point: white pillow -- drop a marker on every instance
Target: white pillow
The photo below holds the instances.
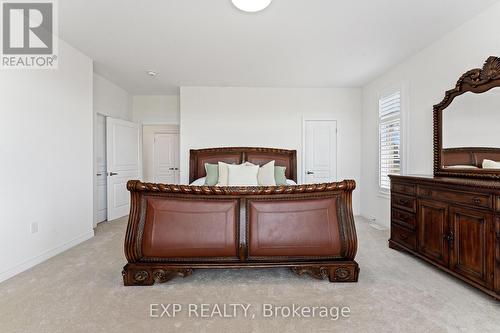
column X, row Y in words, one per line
column 223, row 173
column 198, row 182
column 489, row 164
column 242, row 175
column 265, row 175
column 201, row 182
column 461, row 167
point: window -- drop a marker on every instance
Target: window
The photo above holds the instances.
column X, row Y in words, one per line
column 389, row 138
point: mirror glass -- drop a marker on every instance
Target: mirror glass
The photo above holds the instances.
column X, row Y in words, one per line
column 470, row 123
column 473, row 120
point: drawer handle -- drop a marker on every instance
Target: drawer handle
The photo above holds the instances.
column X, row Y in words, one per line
column 404, row 201
column 403, row 236
column 450, row 237
column 476, row 201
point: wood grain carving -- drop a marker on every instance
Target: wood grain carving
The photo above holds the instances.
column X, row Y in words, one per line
column 138, row 186
column 339, row 272
column 162, row 276
column 147, row 275
column 478, row 80
column 317, row 272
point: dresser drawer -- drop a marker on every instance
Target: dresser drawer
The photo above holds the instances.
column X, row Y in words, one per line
column 406, row 219
column 409, row 189
column 404, row 202
column 403, row 236
column 471, row 199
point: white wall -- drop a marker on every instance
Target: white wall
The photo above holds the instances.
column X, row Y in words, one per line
column 111, row 100
column 156, row 109
column 46, row 149
column 429, row 74
column 269, row 117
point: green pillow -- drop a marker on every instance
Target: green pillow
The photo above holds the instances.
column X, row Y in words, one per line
column 212, row 174
column 279, row 175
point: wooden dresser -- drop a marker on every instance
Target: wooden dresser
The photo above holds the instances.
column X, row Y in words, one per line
column 452, row 219
column 453, row 223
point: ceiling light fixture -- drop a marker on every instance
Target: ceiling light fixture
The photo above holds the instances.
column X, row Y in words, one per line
column 251, row 6
column 152, row 73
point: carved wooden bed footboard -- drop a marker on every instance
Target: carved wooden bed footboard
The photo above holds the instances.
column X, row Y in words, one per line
column 174, row 229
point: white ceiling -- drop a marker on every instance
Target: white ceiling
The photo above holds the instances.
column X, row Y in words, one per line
column 293, row 43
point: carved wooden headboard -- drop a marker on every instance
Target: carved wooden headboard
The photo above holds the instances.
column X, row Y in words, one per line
column 238, row 155
column 473, row 156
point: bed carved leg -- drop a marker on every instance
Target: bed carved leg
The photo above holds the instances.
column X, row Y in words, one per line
column 317, row 272
column 341, row 272
column 165, row 275
column 137, row 276
column 344, row 273
column 145, row 276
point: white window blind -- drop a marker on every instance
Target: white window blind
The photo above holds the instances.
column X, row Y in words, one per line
column 389, row 138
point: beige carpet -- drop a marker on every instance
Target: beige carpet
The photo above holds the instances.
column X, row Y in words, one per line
column 81, row 291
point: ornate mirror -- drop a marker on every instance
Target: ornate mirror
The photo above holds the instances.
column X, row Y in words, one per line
column 467, row 125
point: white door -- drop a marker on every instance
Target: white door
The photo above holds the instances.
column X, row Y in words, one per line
column 100, row 148
column 166, row 158
column 320, row 155
column 123, row 158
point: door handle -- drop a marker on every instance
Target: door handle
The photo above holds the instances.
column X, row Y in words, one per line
column 113, row 173
column 310, row 173
column 98, row 174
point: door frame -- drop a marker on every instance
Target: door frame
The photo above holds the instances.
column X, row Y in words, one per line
column 96, row 116
column 305, row 119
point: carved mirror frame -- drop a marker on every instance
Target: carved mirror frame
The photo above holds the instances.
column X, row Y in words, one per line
column 478, row 80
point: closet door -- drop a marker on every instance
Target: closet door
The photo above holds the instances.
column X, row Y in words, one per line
column 123, row 161
column 472, row 245
column 320, row 153
column 166, row 158
column 433, row 230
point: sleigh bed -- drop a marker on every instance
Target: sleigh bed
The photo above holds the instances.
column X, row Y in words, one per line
column 175, row 229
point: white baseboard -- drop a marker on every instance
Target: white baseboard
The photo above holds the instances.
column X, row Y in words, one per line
column 10, row 272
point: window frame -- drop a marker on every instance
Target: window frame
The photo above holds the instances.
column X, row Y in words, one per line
column 403, row 133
